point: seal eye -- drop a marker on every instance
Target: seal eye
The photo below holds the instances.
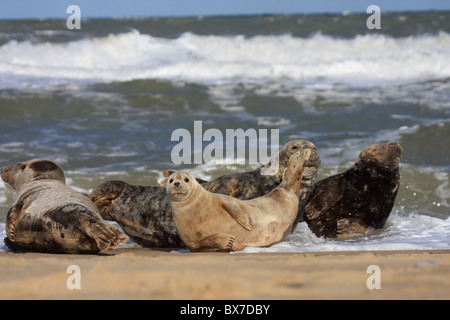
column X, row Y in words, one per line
column 171, row 180
column 294, row 148
column 186, row 180
column 23, row 167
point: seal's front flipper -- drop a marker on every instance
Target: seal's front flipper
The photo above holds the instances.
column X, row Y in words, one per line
column 216, row 242
column 236, row 212
column 350, row 228
column 293, row 174
column 11, row 220
column 324, row 195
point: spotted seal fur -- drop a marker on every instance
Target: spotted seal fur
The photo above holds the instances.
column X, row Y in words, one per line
column 48, row 216
column 345, row 205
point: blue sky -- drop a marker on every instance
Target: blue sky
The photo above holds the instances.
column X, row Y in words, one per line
column 16, row 9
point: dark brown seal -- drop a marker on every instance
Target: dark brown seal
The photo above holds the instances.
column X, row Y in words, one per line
column 144, row 212
column 343, row 206
column 48, row 216
column 208, row 221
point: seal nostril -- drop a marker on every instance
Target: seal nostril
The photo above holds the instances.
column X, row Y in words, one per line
column 177, row 184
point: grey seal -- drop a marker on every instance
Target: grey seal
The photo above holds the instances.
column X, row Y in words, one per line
column 208, row 221
column 49, row 216
column 345, row 205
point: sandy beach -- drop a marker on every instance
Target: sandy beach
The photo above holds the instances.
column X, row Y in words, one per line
column 139, row 273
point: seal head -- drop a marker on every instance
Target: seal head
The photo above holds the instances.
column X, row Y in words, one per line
column 19, row 174
column 180, row 186
column 381, row 156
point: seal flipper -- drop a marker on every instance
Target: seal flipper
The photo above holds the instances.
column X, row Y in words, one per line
column 104, row 195
column 293, row 174
column 235, row 211
column 105, row 236
column 321, row 201
column 11, row 221
column 350, row 228
column 216, row 242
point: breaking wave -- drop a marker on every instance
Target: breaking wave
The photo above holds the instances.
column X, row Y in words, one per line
column 362, row 60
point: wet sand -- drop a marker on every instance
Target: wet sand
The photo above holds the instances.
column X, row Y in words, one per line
column 137, row 273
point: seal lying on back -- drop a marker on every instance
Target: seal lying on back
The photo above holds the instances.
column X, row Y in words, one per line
column 343, row 206
column 208, row 221
column 50, row 217
column 144, row 212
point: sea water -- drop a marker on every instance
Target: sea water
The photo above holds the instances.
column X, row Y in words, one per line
column 103, row 102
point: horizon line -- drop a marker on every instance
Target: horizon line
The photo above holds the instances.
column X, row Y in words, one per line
column 218, row 15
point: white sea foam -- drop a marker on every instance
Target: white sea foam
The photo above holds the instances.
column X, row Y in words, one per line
column 4, row 192
column 362, row 60
column 3, row 248
column 414, row 232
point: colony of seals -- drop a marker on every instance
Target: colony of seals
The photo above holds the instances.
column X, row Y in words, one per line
column 208, row 221
column 345, row 205
column 144, row 212
column 48, row 216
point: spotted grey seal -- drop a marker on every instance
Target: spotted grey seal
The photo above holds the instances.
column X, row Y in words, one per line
column 48, row 216
column 343, row 206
